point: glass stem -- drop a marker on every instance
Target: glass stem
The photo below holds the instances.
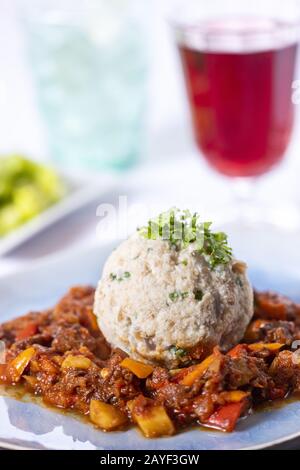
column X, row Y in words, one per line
column 244, row 199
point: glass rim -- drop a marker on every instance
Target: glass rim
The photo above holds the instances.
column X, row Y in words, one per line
column 265, row 33
column 179, row 18
column 183, row 26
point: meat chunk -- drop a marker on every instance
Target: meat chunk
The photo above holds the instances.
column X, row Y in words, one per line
column 271, row 331
column 273, row 306
column 73, row 338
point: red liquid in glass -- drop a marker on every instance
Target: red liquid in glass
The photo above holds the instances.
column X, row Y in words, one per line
column 241, row 106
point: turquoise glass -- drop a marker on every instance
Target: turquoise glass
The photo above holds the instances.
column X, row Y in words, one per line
column 90, row 70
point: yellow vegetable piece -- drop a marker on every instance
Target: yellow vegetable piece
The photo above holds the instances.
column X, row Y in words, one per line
column 105, row 416
column 26, row 189
column 92, row 320
column 19, row 364
column 76, row 362
column 139, row 369
column 269, row 346
column 154, row 422
column 194, row 372
column 234, row 396
column 104, row 373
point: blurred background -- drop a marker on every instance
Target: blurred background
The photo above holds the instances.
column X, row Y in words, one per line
column 96, row 89
column 21, row 120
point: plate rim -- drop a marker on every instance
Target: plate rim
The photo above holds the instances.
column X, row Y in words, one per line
column 6, row 446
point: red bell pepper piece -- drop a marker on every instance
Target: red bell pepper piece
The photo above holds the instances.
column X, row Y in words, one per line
column 28, row 331
column 225, row 418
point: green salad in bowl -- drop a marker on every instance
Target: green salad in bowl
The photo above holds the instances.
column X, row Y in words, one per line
column 27, row 188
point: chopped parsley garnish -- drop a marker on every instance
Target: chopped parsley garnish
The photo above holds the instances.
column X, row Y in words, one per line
column 174, row 296
column 198, row 294
column 178, row 352
column 114, row 276
column 181, row 228
column 177, row 295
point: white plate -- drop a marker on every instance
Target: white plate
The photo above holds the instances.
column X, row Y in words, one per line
column 82, row 190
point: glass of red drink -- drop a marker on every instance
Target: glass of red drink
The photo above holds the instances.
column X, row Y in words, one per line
column 239, row 61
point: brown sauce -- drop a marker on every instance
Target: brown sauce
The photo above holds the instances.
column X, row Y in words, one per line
column 276, row 404
column 20, row 393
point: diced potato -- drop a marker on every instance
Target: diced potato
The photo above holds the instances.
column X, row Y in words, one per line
column 76, row 362
column 194, row 372
column 154, row 422
column 19, row 364
column 273, row 347
column 105, row 416
column 139, row 369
